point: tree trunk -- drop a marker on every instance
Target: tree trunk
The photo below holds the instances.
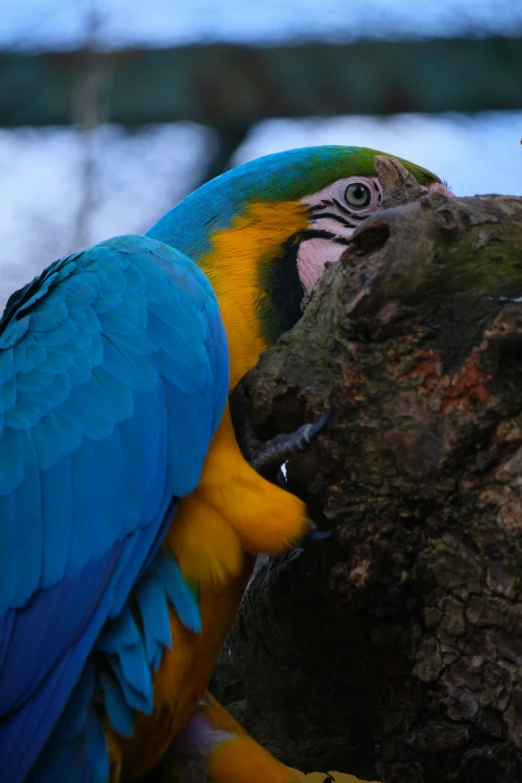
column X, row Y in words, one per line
column 392, row 650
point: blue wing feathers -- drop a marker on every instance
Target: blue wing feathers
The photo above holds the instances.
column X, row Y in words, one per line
column 154, row 612
column 129, row 653
column 36, row 695
column 77, row 750
column 121, row 715
column 182, row 596
column 33, row 633
column 29, row 535
column 8, row 552
column 113, row 378
column 57, row 508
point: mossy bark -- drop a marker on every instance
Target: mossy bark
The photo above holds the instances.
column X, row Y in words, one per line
column 393, row 650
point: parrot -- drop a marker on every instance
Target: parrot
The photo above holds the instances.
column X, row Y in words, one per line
column 130, row 519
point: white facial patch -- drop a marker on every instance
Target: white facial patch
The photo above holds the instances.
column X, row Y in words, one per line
column 337, row 210
column 312, row 256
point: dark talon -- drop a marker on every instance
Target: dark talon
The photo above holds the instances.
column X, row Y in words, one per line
column 315, row 534
column 315, row 429
column 267, row 457
column 273, row 453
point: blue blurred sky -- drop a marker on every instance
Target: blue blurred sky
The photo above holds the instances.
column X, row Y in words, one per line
column 61, row 23
column 138, row 176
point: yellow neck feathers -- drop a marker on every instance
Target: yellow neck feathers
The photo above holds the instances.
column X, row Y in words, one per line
column 235, row 266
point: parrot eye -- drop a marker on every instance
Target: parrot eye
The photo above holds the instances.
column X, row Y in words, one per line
column 357, row 195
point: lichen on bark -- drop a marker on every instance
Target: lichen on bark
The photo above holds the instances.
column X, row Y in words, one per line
column 393, row 650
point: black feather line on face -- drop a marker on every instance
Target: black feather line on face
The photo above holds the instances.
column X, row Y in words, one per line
column 333, row 216
column 344, row 209
column 355, row 217
column 320, row 233
column 318, row 207
column 281, row 282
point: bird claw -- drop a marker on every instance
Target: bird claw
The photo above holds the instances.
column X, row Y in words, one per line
column 309, row 431
column 268, row 457
column 316, row 534
column 273, row 453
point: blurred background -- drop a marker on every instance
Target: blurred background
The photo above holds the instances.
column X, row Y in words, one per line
column 112, row 111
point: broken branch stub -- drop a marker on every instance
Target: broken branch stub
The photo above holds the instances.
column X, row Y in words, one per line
column 393, row 650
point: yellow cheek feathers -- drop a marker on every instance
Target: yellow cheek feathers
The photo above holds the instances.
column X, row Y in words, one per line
column 234, row 266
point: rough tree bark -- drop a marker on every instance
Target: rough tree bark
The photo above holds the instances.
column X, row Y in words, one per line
column 393, row 650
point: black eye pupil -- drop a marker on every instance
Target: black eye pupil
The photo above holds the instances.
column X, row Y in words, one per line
column 357, row 195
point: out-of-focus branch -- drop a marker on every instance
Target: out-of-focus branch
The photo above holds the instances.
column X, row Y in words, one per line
column 219, row 84
column 90, row 109
column 227, row 139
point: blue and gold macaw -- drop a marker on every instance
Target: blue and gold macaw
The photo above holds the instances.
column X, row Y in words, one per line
column 129, row 519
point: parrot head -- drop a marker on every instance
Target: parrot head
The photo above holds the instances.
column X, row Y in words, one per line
column 264, row 231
